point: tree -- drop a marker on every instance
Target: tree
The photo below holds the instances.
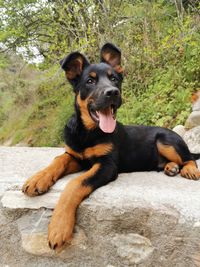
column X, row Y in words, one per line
column 54, row 27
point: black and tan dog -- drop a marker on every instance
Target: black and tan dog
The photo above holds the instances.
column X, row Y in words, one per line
column 95, row 142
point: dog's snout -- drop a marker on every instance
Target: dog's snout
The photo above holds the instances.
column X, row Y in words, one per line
column 111, row 92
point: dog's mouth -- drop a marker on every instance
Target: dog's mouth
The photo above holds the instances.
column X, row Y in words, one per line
column 106, row 118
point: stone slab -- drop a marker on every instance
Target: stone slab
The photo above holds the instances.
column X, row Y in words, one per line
column 130, row 189
column 141, row 219
column 192, row 138
column 18, row 163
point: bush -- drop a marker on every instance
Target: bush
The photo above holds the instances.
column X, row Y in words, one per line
column 161, row 55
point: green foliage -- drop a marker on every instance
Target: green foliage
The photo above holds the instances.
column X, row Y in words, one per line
column 160, row 43
column 39, row 121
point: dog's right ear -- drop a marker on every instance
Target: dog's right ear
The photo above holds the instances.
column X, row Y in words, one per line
column 73, row 66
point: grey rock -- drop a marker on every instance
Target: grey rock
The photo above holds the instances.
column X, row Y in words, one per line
column 17, row 200
column 132, row 248
column 180, row 129
column 142, row 219
column 193, row 120
column 192, row 138
column 33, row 229
column 17, row 163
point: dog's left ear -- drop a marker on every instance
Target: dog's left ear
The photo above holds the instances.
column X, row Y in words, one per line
column 111, row 55
column 73, row 65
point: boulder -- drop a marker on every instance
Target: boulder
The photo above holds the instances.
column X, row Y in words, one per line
column 192, row 138
column 193, row 120
column 179, row 129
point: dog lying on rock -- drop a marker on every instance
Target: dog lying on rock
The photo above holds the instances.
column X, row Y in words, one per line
column 103, row 147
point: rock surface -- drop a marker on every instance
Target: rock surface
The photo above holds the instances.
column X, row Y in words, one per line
column 193, row 120
column 179, row 129
column 141, row 219
column 192, row 138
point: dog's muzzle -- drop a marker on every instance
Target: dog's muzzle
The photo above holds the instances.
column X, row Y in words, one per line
column 104, row 107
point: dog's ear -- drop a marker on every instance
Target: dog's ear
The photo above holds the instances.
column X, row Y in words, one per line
column 73, row 65
column 111, row 55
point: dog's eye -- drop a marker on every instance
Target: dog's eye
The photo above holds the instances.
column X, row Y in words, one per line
column 113, row 79
column 90, row 81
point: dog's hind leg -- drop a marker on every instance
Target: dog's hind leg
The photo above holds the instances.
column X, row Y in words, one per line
column 190, row 170
column 179, row 157
column 171, row 169
column 40, row 182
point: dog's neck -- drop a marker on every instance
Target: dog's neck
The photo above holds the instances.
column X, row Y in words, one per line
column 78, row 137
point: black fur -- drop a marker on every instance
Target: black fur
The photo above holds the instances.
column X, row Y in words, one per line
column 134, row 147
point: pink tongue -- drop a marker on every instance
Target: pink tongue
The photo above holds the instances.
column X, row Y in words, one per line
column 106, row 122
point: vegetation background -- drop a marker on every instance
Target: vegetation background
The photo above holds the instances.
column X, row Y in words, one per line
column 160, row 42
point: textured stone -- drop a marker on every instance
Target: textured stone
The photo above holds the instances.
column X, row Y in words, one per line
column 192, row 138
column 18, row 163
column 33, row 229
column 132, row 248
column 193, row 120
column 142, row 219
column 127, row 192
column 17, row 200
column 179, row 129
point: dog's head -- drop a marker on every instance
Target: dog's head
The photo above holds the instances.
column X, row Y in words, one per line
column 97, row 86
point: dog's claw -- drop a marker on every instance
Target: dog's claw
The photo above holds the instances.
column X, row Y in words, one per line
column 38, row 184
column 52, row 246
column 36, row 191
column 55, row 246
column 39, row 192
column 25, row 189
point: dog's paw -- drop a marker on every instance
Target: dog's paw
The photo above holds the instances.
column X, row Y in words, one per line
column 38, row 184
column 171, row 169
column 190, row 172
column 60, row 230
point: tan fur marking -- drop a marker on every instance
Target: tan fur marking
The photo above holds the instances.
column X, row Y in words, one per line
column 169, row 153
column 119, row 69
column 106, row 56
column 87, row 120
column 95, row 151
column 43, row 180
column 98, row 150
column 111, row 59
column 93, row 74
column 63, row 219
column 109, row 72
column 191, row 163
column 75, row 68
column 73, row 153
column 190, row 170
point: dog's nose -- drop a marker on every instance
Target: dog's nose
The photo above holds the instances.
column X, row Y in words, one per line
column 110, row 92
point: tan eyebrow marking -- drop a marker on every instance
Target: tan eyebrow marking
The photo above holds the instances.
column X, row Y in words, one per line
column 93, row 74
column 109, row 72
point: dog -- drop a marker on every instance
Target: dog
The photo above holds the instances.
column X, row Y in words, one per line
column 103, row 147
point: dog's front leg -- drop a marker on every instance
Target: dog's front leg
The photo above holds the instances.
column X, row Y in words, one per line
column 63, row 218
column 44, row 179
